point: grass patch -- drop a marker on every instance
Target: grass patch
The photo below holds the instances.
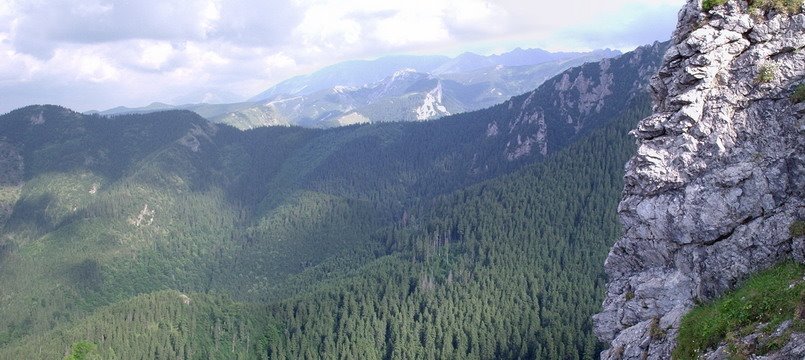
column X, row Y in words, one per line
column 708, row 5
column 783, row 6
column 799, row 94
column 764, row 297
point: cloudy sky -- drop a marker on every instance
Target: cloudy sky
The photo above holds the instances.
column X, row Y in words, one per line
column 97, row 54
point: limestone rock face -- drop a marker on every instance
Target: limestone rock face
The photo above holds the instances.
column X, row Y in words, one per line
column 718, row 176
column 576, row 101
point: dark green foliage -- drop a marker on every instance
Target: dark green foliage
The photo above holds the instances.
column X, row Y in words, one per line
column 797, row 228
column 766, row 297
column 165, row 324
column 799, row 94
column 87, row 275
column 496, row 271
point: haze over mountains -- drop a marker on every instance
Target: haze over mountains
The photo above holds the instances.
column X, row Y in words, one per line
column 395, row 88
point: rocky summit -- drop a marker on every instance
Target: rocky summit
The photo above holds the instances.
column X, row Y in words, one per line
column 717, row 180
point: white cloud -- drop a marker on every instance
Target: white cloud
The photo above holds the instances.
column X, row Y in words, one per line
column 209, row 16
column 89, row 67
column 279, row 61
column 103, row 53
column 328, row 26
column 155, row 54
column 429, row 17
column 478, row 16
column 15, row 67
column 91, row 8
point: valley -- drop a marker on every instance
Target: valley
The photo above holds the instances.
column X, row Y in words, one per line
column 117, row 215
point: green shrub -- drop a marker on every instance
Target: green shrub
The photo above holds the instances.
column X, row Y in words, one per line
column 83, row 350
column 764, row 297
column 797, row 228
column 783, row 6
column 655, row 330
column 629, row 295
column 799, row 94
column 766, row 74
column 708, row 5
column 773, row 344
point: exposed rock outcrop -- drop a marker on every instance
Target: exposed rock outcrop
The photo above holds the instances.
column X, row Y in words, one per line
column 578, row 100
column 718, row 176
column 191, row 139
column 12, row 169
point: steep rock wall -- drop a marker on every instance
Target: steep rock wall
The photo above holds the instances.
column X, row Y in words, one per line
column 718, row 176
column 575, row 101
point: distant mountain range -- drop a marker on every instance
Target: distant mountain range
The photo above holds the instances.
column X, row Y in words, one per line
column 395, row 88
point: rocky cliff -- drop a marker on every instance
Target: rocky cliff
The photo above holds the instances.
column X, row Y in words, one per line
column 718, row 177
column 575, row 102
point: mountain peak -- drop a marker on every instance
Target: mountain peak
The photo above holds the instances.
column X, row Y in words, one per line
column 403, row 72
column 340, row 89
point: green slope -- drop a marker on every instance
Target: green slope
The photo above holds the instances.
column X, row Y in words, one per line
column 162, row 325
column 508, row 268
column 110, row 208
column 372, row 241
column 760, row 304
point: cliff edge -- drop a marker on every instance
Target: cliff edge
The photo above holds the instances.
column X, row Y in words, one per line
column 717, row 180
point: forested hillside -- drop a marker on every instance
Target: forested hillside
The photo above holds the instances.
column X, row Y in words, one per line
column 163, row 236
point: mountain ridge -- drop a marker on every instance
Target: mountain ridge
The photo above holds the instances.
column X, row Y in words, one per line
column 336, row 102
column 348, row 71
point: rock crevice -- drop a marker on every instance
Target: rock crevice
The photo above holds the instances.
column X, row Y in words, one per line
column 717, row 178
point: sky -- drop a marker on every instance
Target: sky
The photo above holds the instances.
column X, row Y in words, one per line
column 98, row 54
